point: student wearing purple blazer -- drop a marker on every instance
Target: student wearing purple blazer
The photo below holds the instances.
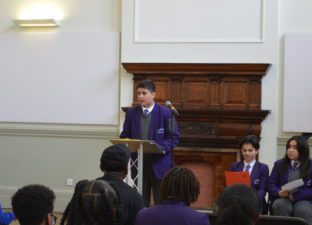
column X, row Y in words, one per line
column 179, row 189
column 259, row 172
column 151, row 121
column 294, row 165
column 6, row 217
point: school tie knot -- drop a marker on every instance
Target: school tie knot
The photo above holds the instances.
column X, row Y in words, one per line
column 295, row 164
column 247, row 168
column 145, row 112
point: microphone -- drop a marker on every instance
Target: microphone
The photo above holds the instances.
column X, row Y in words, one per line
column 170, row 106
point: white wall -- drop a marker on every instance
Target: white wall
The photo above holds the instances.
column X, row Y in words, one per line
column 295, row 16
column 49, row 153
column 74, row 15
column 216, row 47
column 61, row 77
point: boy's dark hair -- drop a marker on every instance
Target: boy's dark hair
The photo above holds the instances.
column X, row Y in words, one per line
column 250, row 139
column 115, row 158
column 147, row 84
column 180, row 184
column 93, row 202
column 32, row 204
column 238, row 204
column 304, row 157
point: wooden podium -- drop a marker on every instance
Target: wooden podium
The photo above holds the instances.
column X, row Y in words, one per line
column 140, row 147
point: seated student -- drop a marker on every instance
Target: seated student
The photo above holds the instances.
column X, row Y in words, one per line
column 259, row 172
column 6, row 217
column 114, row 164
column 178, row 190
column 93, row 202
column 238, row 205
column 294, row 165
column 33, row 205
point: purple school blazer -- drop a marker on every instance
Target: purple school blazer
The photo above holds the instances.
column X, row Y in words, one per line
column 276, row 181
column 159, row 132
column 171, row 214
column 259, row 176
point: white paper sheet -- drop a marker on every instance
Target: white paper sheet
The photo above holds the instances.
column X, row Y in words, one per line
column 293, row 185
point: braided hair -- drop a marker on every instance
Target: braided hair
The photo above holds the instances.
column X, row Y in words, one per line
column 180, row 184
column 94, row 202
column 238, row 205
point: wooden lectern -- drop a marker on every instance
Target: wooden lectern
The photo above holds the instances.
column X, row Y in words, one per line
column 139, row 147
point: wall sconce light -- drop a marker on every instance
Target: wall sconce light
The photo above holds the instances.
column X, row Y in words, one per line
column 36, row 23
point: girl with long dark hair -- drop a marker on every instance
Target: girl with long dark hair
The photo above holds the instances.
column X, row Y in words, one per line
column 294, row 165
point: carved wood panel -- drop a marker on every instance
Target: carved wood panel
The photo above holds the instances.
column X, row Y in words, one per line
column 235, row 94
column 218, row 105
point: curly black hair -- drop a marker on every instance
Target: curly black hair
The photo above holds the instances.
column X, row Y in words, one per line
column 238, row 205
column 93, row 202
column 32, row 204
column 180, row 184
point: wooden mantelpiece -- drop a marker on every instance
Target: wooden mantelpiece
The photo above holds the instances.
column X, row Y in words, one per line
column 197, row 68
column 218, row 104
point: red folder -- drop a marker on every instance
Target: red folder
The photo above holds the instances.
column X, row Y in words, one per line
column 237, row 178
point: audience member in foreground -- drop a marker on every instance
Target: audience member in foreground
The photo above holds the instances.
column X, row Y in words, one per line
column 93, row 202
column 179, row 189
column 6, row 217
column 259, row 172
column 294, row 165
column 238, row 205
column 33, row 205
column 114, row 164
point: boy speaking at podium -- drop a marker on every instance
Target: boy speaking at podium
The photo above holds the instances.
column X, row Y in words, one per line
column 151, row 121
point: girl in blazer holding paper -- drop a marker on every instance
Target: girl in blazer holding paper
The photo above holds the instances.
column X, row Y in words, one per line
column 296, row 164
column 259, row 172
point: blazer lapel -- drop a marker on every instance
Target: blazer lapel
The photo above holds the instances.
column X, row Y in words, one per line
column 254, row 172
column 137, row 122
column 154, row 121
column 241, row 166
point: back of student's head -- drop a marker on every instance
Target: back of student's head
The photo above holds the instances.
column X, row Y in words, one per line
column 238, row 205
column 93, row 202
column 115, row 158
column 33, row 204
column 180, row 185
column 147, row 84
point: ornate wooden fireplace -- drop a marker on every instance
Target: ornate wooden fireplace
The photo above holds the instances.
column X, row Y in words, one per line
column 218, row 105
